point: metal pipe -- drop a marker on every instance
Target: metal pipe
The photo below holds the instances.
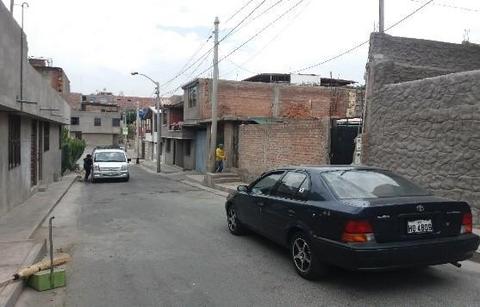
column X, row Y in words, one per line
column 50, row 237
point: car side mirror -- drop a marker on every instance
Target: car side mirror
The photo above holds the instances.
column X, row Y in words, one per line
column 242, row 188
column 129, row 160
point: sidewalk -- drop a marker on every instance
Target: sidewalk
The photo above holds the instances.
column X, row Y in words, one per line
column 16, row 230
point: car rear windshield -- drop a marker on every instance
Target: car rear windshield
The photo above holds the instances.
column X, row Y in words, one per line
column 109, row 157
column 355, row 183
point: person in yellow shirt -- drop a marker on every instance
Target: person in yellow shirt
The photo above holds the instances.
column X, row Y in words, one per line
column 219, row 158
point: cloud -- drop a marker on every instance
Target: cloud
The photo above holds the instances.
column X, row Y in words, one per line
column 99, row 42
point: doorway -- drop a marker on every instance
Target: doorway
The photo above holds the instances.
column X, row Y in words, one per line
column 342, row 140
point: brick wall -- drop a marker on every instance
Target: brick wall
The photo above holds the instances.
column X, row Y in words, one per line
column 240, row 99
column 263, row 147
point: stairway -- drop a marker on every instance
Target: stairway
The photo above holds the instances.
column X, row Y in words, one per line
column 223, row 181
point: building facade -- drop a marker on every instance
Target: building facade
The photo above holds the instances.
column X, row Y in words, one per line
column 32, row 115
column 55, row 75
column 254, row 102
column 96, row 123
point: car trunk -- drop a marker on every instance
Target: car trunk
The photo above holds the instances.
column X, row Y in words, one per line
column 414, row 218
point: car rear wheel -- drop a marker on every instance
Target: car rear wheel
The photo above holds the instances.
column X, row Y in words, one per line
column 304, row 259
column 233, row 223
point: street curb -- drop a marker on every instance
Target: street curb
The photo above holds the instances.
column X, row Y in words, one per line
column 12, row 291
column 201, row 186
column 42, row 219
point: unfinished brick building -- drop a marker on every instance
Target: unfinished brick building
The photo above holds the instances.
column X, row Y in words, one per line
column 268, row 105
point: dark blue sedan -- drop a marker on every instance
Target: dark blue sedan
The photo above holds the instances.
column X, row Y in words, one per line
column 358, row 218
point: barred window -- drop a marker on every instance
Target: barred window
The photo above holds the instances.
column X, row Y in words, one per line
column 115, row 122
column 14, row 153
column 97, row 121
column 74, row 121
column 46, row 136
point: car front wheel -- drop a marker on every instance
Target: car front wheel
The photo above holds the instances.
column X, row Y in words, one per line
column 304, row 259
column 233, row 223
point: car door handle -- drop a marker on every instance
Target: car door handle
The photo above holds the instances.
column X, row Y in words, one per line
column 291, row 212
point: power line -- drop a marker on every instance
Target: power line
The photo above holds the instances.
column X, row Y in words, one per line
column 363, row 43
column 182, row 71
column 242, row 21
column 260, row 14
column 238, row 11
column 187, row 66
column 282, row 30
column 244, row 43
column 451, row 6
column 197, row 51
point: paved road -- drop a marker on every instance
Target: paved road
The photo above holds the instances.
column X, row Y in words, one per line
column 157, row 242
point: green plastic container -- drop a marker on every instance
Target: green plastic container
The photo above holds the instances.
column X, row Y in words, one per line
column 40, row 281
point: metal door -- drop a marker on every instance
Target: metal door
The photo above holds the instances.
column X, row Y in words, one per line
column 201, row 150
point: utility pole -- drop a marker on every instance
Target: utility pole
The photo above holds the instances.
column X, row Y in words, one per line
column 138, row 134
column 12, row 2
column 213, row 142
column 24, row 4
column 381, row 18
column 159, row 127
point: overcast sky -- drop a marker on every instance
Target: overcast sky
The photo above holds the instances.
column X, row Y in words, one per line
column 99, row 42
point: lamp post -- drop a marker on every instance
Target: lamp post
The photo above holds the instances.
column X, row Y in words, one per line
column 159, row 124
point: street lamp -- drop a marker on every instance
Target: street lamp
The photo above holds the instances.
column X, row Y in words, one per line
column 159, row 124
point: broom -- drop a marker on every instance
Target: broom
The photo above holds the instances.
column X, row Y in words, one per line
column 26, row 272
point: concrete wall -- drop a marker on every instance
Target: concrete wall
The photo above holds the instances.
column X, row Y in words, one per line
column 15, row 183
column 96, row 139
column 428, row 130
column 35, row 87
column 105, row 134
column 263, row 147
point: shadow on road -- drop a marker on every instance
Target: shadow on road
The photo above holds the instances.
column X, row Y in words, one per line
column 367, row 283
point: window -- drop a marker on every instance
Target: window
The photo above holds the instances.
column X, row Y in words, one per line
column 110, row 156
column 364, row 183
column 14, row 125
column 164, row 118
column 192, row 97
column 188, row 147
column 168, row 145
column 265, row 185
column 116, row 122
column 97, row 121
column 290, row 184
column 74, row 121
column 46, row 136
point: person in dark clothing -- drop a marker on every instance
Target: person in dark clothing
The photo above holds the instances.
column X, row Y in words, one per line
column 87, row 166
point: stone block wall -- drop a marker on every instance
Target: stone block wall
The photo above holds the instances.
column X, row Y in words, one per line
column 424, row 53
column 263, row 147
column 428, row 130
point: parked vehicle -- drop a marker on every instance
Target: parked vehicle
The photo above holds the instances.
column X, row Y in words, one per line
column 357, row 218
column 110, row 163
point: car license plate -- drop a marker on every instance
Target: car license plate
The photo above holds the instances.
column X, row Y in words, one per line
column 419, row 226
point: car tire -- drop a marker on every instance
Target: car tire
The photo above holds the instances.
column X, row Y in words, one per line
column 304, row 259
column 233, row 223
column 127, row 179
